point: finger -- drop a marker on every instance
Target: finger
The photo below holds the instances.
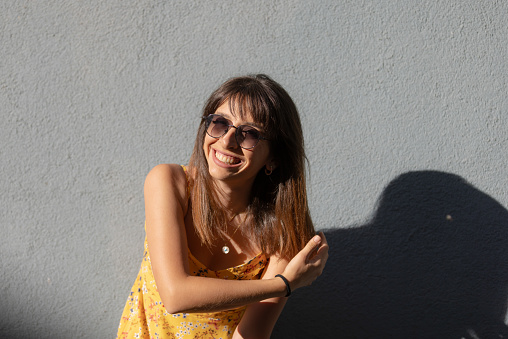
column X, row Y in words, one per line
column 323, row 248
column 323, row 238
column 320, row 255
column 312, row 246
column 320, row 239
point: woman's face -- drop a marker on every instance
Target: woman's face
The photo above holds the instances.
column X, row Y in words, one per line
column 227, row 161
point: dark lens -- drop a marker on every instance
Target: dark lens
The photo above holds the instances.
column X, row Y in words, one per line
column 248, row 136
column 218, row 126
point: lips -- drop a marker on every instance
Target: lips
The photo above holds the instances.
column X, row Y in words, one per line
column 226, row 159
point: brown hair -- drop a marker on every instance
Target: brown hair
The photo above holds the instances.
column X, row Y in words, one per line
column 278, row 203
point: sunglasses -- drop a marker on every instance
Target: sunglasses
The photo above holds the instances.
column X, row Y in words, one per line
column 246, row 136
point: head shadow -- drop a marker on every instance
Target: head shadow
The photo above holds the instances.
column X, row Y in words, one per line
column 432, row 263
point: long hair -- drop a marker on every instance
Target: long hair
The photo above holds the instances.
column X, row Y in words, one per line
column 278, row 202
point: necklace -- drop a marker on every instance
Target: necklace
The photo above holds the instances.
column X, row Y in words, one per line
column 225, row 248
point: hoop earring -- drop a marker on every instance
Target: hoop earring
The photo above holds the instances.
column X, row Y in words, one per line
column 268, row 171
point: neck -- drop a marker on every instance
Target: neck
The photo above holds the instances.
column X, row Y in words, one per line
column 234, row 199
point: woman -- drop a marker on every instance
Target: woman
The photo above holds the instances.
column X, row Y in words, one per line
column 221, row 233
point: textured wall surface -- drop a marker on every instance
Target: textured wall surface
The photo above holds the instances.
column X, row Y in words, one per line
column 405, row 113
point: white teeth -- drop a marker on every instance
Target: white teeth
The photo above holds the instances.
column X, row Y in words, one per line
column 224, row 158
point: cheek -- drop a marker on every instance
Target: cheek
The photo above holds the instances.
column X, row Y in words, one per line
column 261, row 158
column 265, row 154
column 207, row 143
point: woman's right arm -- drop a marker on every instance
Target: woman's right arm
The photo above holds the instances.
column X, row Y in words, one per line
column 165, row 208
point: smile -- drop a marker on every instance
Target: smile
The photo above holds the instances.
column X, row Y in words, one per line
column 226, row 159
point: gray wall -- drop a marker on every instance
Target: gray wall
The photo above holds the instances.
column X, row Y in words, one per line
column 405, row 115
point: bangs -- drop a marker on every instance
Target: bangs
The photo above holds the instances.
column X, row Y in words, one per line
column 250, row 108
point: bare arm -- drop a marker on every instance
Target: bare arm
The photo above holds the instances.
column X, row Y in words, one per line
column 260, row 318
column 165, row 206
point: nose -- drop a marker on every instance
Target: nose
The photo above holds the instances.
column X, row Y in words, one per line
column 229, row 139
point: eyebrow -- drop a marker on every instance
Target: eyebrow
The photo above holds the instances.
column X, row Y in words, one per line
column 227, row 116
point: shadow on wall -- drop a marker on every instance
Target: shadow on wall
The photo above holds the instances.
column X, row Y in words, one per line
column 433, row 263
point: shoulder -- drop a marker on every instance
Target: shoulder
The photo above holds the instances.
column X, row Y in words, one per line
column 167, row 179
column 172, row 172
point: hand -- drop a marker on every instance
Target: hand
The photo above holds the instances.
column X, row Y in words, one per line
column 308, row 264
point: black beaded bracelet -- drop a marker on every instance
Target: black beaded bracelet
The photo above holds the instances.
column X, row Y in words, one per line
column 288, row 288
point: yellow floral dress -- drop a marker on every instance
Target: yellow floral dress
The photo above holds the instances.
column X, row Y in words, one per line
column 144, row 315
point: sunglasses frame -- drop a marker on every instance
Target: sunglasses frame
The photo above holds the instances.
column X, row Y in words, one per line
column 208, row 120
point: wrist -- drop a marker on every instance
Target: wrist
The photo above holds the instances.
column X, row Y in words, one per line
column 287, row 286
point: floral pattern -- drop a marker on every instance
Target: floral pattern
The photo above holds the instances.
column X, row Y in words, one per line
column 144, row 315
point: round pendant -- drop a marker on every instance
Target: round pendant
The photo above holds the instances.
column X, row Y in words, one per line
column 225, row 249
